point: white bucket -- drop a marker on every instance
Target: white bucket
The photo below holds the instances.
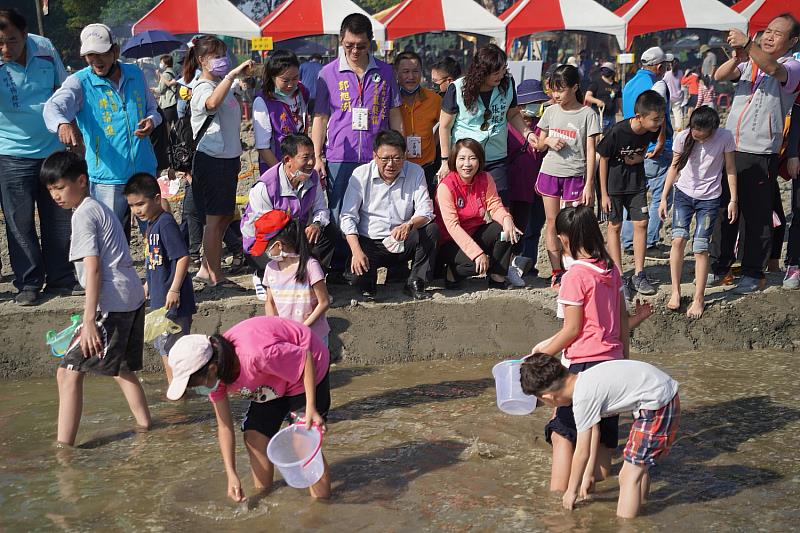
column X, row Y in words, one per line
column 510, row 398
column 297, row 452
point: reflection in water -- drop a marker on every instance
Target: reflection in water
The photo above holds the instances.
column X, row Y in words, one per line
column 412, row 447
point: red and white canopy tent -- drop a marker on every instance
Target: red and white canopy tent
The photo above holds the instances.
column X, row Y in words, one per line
column 535, row 16
column 410, row 17
column 648, row 16
column 213, row 17
column 301, row 18
column 760, row 13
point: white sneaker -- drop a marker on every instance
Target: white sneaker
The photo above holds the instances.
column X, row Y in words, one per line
column 515, row 272
column 792, row 279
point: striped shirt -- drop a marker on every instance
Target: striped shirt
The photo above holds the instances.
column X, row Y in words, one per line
column 296, row 300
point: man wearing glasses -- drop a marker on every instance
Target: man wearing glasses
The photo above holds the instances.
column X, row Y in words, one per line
column 357, row 96
column 386, row 217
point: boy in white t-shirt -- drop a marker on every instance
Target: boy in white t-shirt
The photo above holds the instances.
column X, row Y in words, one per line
column 606, row 390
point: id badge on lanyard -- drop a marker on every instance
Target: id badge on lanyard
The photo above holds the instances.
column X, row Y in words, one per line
column 413, row 146
column 360, row 115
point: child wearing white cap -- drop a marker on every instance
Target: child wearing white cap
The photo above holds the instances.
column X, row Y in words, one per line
column 280, row 365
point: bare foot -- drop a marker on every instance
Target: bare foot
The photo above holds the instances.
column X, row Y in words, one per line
column 674, row 302
column 696, row 309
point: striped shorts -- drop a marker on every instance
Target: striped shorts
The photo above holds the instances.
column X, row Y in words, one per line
column 653, row 433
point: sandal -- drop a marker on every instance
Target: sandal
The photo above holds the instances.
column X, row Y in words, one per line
column 229, row 285
column 238, row 263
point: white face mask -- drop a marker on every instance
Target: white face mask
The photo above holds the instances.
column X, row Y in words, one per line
column 281, row 255
column 162, row 66
column 298, row 173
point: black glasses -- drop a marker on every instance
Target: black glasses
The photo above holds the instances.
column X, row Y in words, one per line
column 394, row 159
column 351, row 46
column 486, row 116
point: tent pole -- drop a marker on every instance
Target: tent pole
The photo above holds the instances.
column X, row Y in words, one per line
column 39, row 16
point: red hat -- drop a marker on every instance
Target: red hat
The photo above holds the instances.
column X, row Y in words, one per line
column 267, row 226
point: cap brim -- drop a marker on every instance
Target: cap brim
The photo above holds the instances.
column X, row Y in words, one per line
column 177, row 388
column 532, row 98
column 91, row 49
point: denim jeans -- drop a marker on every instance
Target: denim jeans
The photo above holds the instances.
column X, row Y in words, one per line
column 704, row 211
column 339, row 174
column 656, row 171
column 20, row 194
column 533, row 230
column 111, row 196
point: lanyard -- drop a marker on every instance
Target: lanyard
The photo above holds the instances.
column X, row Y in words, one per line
column 756, row 77
column 361, row 89
column 294, row 114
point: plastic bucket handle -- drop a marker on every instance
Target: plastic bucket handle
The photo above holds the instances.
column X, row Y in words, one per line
column 302, row 422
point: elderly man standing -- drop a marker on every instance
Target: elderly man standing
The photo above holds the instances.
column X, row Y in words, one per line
column 115, row 113
column 768, row 83
column 30, row 70
column 386, row 215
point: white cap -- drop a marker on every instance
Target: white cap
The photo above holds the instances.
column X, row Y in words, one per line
column 653, row 56
column 189, row 354
column 609, row 65
column 669, row 57
column 96, row 39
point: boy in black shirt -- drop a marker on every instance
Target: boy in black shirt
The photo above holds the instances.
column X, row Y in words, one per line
column 167, row 261
column 623, row 184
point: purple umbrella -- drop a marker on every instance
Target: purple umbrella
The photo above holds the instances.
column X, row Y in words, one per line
column 150, row 43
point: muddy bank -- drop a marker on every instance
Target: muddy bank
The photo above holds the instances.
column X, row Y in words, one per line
column 480, row 323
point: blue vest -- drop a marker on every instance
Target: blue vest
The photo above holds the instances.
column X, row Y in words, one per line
column 468, row 122
column 641, row 82
column 107, row 121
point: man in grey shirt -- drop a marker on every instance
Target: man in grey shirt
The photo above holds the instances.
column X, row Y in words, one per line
column 386, row 217
column 709, row 61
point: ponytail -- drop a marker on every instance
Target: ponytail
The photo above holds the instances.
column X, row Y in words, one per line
column 225, row 358
column 293, row 235
column 580, row 226
column 704, row 118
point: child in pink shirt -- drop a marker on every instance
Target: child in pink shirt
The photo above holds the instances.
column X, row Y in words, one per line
column 295, row 281
column 277, row 364
column 595, row 330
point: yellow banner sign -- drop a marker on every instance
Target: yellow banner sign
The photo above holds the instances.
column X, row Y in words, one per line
column 261, row 43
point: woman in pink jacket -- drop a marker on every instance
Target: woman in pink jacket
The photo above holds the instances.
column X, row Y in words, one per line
column 476, row 230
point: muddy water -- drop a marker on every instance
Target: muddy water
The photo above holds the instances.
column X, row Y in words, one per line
column 414, row 447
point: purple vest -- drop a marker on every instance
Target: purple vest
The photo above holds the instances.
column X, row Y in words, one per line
column 283, row 122
column 378, row 93
column 298, row 208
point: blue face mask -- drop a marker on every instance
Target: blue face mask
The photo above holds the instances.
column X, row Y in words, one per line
column 411, row 92
column 281, row 94
column 204, row 390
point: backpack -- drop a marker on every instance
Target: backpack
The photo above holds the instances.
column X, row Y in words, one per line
column 182, row 144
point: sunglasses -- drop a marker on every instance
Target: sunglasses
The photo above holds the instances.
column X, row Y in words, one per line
column 486, row 116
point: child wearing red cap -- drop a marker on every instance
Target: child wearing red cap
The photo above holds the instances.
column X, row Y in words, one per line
column 293, row 279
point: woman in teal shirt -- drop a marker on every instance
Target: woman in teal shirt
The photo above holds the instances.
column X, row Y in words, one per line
column 480, row 106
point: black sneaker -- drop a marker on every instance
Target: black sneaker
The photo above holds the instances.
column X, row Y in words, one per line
column 72, row 290
column 27, row 297
column 642, row 284
column 627, row 290
column 656, row 252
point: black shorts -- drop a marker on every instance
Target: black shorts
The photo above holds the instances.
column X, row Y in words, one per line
column 564, row 421
column 267, row 417
column 214, row 182
column 635, row 203
column 123, row 339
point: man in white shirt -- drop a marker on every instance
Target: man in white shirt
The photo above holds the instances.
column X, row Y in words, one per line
column 386, row 217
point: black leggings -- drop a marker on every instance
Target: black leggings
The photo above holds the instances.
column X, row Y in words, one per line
column 488, row 238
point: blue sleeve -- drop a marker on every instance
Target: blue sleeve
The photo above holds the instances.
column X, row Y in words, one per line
column 64, row 105
column 322, row 102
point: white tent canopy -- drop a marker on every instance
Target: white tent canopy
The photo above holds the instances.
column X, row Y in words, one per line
column 213, row 17
column 410, row 17
column 301, row 18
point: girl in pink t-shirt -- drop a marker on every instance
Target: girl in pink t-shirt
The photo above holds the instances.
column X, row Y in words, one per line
column 595, row 330
column 277, row 364
column 295, row 281
column 701, row 155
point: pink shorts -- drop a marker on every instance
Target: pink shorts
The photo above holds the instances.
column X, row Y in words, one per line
column 568, row 189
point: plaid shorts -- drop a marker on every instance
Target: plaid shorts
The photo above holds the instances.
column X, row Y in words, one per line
column 653, row 433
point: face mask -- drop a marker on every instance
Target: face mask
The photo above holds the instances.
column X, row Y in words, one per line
column 111, row 71
column 205, row 391
column 219, row 66
column 280, row 257
column 300, row 173
column 281, row 94
column 413, row 91
column 162, row 66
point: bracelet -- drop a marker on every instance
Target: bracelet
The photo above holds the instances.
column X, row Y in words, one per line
column 174, row 291
column 733, row 202
column 228, row 77
column 445, row 158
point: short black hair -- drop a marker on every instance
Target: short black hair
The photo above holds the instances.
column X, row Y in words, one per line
column 167, row 59
column 389, row 138
column 450, row 66
column 540, row 373
column 64, row 165
column 277, row 62
column 357, row 24
column 317, row 57
column 291, row 143
column 13, row 17
column 650, row 102
column 406, row 56
column 795, row 31
column 144, row 184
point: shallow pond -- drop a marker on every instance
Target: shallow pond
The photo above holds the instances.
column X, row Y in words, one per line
column 412, row 447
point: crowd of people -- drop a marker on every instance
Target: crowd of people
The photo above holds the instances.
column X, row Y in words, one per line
column 361, row 168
